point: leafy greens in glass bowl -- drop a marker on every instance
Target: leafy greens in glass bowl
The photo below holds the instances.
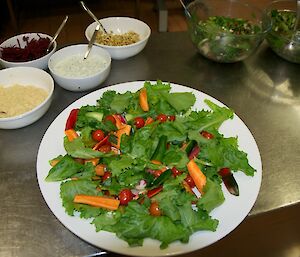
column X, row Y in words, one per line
column 226, row 30
column 283, row 39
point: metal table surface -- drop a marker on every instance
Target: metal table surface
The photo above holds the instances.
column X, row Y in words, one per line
column 264, row 91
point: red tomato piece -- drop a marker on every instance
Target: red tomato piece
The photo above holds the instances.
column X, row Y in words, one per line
column 171, row 117
column 175, row 172
column 162, row 117
column 125, row 196
column 189, row 180
column 154, row 209
column 224, row 172
column 107, row 175
column 105, row 148
column 98, row 135
column 110, row 118
column 207, row 135
column 139, row 122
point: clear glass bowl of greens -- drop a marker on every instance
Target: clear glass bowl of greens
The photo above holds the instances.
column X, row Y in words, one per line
column 226, row 31
column 282, row 38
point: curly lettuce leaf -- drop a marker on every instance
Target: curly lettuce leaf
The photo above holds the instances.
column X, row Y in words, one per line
column 70, row 188
column 212, row 197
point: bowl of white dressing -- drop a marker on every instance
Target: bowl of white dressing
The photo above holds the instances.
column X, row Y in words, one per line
column 74, row 73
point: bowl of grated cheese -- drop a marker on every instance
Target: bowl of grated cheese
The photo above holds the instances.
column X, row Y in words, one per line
column 25, row 96
column 124, row 36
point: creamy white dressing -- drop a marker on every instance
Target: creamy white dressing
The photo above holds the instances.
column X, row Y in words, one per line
column 76, row 66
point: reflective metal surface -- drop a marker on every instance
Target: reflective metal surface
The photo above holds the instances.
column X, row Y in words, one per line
column 264, row 91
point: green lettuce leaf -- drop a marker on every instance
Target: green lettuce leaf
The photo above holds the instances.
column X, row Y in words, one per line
column 64, row 169
column 70, row 188
column 212, row 197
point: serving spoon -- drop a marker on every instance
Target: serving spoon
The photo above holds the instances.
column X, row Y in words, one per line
column 185, row 9
column 92, row 15
column 57, row 33
column 91, row 42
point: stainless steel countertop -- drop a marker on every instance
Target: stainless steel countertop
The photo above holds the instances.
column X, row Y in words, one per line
column 264, row 91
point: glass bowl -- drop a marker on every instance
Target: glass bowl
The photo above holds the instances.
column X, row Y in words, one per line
column 226, row 31
column 282, row 38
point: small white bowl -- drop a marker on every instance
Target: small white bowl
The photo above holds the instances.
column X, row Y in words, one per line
column 121, row 25
column 26, row 76
column 41, row 63
column 79, row 82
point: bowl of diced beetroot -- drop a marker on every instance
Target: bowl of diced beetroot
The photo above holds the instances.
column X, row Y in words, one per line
column 28, row 49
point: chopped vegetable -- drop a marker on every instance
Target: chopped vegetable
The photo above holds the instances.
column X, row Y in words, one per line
column 160, row 149
column 229, row 181
column 197, row 175
column 98, row 201
column 124, row 130
column 144, row 100
column 34, row 49
column 71, row 134
column 71, row 121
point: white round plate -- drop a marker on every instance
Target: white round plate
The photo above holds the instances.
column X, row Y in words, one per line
column 230, row 214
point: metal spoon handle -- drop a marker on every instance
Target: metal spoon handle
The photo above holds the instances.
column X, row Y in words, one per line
column 184, row 7
column 92, row 15
column 57, row 32
column 90, row 45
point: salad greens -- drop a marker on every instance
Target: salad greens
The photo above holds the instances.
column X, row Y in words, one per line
column 225, row 39
column 146, row 171
column 282, row 38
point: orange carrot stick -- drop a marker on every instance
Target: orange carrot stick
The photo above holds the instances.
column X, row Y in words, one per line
column 156, row 162
column 197, row 175
column 143, row 100
column 71, row 134
column 98, row 201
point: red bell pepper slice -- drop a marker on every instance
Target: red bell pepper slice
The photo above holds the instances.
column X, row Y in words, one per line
column 154, row 191
column 72, row 119
column 194, row 153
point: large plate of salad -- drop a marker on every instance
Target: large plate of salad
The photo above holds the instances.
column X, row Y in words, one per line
column 149, row 169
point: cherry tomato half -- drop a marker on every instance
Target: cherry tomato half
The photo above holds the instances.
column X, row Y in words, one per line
column 207, row 135
column 139, row 122
column 154, row 209
column 162, row 117
column 107, row 175
column 171, row 117
column 189, row 180
column 105, row 148
column 125, row 196
column 110, row 118
column 98, row 135
column 175, row 172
